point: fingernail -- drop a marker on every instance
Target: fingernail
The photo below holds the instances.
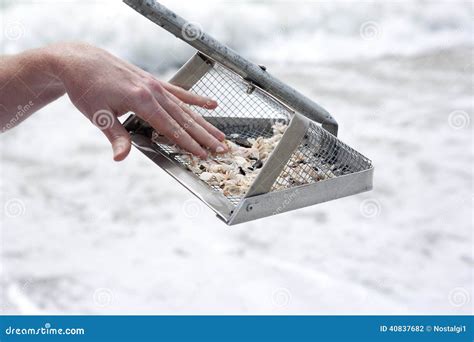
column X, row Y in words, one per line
column 211, row 103
column 118, row 147
column 220, row 149
column 203, row 155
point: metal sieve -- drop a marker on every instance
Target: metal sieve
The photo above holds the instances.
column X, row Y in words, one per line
column 309, row 165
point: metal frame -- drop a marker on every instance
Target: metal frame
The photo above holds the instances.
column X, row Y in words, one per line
column 302, row 196
column 259, row 201
column 279, row 156
column 192, row 71
column 254, row 73
column 213, row 199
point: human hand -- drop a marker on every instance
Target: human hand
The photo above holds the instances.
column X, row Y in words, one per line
column 104, row 87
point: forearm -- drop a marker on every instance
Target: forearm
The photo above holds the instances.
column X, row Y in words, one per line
column 28, row 81
column 104, row 87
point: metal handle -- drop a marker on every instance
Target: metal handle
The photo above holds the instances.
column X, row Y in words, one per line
column 203, row 42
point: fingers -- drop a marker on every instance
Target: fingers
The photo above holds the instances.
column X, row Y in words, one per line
column 190, row 98
column 201, row 135
column 121, row 147
column 182, row 94
column 147, row 108
column 198, row 118
column 194, row 129
column 115, row 133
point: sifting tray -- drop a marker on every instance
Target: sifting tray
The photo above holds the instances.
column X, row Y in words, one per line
column 308, row 166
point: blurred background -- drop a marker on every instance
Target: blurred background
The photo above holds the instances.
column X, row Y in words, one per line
column 81, row 234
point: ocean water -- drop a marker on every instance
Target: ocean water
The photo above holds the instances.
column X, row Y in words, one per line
column 265, row 31
column 82, row 234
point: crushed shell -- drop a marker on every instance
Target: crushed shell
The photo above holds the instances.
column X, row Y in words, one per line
column 234, row 171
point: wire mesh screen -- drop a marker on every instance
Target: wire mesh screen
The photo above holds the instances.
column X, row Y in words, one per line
column 249, row 112
column 319, row 156
column 243, row 110
column 170, row 151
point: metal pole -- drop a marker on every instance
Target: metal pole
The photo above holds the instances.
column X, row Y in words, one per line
column 203, row 42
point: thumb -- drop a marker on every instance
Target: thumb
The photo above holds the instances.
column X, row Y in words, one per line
column 118, row 136
column 121, row 146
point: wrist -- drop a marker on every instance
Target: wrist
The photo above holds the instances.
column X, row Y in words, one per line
column 39, row 68
column 53, row 57
column 66, row 60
